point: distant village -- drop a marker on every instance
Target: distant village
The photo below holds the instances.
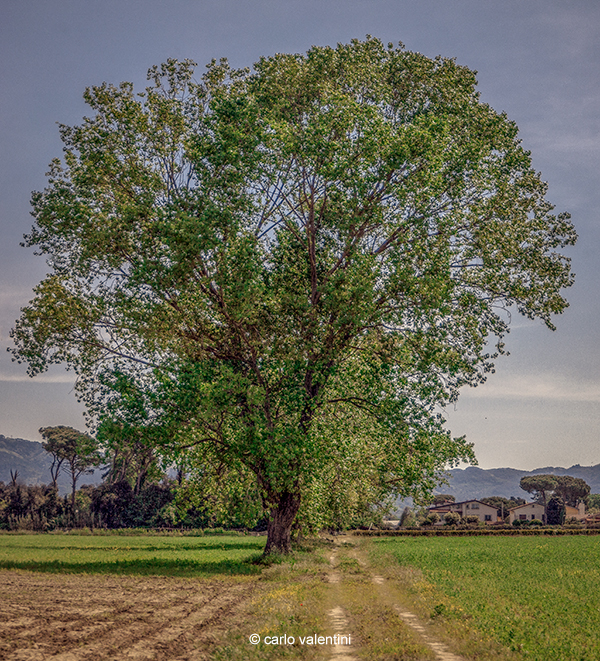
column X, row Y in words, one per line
column 557, row 500
column 469, row 510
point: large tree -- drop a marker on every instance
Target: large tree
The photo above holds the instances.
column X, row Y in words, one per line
column 283, row 267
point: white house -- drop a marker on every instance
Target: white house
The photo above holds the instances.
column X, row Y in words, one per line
column 531, row 511
column 527, row 512
column 484, row 512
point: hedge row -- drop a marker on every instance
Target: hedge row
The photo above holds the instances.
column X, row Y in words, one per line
column 136, row 532
column 477, row 532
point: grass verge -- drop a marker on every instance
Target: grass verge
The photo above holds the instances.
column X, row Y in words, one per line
column 290, row 603
column 379, row 634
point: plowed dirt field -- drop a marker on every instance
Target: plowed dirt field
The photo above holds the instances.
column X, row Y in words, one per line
column 77, row 617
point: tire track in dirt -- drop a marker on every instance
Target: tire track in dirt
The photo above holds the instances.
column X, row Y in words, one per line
column 442, row 653
column 338, row 619
column 440, row 650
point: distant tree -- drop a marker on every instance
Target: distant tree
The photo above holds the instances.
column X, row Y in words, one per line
column 593, row 501
column 33, row 507
column 407, row 518
column 77, row 452
column 516, row 501
column 57, row 462
column 540, row 486
column 571, row 489
column 129, row 455
column 111, row 504
column 116, row 505
column 442, row 498
column 16, row 502
column 555, row 511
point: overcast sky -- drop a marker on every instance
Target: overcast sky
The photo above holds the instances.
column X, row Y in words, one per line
column 537, row 60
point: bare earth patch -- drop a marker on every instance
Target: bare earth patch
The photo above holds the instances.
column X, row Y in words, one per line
column 76, row 617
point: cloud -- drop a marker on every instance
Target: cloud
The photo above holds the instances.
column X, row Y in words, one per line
column 577, row 24
column 548, row 387
column 41, row 378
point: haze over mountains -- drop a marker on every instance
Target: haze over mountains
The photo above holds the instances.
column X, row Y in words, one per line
column 473, row 482
column 33, row 465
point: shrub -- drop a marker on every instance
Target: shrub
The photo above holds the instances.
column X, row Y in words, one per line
column 451, row 518
column 430, row 519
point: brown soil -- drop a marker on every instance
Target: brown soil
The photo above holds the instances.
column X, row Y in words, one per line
column 90, row 617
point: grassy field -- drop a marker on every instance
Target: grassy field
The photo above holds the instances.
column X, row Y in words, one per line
column 183, row 597
column 155, row 555
column 539, row 597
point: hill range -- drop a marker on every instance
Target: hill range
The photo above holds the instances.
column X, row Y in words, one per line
column 33, row 465
column 473, row 482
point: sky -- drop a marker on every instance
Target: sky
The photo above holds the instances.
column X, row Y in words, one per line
column 538, row 61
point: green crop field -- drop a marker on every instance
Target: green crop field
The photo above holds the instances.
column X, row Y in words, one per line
column 539, row 597
column 134, row 554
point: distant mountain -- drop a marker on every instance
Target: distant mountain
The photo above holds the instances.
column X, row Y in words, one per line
column 33, row 464
column 27, row 457
column 473, row 482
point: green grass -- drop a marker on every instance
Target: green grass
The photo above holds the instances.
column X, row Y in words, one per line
column 121, row 554
column 539, row 597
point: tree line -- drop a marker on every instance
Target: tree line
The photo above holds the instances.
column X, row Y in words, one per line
column 140, row 488
column 136, row 491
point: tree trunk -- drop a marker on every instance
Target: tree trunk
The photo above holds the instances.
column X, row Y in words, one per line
column 279, row 529
column 73, row 490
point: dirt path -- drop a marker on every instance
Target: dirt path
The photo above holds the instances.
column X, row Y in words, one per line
column 441, row 651
column 338, row 620
column 77, row 617
column 386, row 596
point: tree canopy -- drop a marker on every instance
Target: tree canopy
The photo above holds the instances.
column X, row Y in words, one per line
column 539, row 486
column 286, row 270
column 77, row 453
column 571, row 490
column 441, row 498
